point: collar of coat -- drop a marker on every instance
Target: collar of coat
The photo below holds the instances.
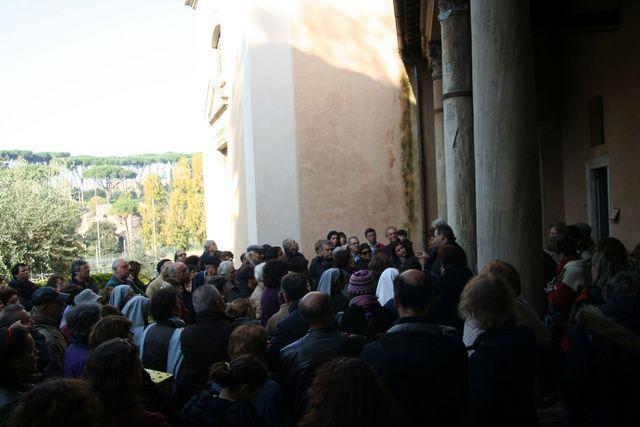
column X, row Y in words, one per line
column 607, row 328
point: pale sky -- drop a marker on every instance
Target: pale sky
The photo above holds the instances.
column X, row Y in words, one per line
column 99, row 77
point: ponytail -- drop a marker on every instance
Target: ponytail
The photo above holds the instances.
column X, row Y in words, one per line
column 245, row 370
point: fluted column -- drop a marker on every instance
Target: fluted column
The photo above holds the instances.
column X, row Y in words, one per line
column 458, row 122
column 506, row 154
column 435, row 62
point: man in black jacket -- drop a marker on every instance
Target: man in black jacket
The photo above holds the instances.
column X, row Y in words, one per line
column 293, row 327
column 203, row 343
column 323, row 342
column 22, row 284
column 423, row 365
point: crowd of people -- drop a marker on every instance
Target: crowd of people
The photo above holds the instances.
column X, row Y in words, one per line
column 365, row 334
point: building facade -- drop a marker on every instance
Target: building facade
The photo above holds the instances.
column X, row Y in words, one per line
column 534, row 120
column 312, row 122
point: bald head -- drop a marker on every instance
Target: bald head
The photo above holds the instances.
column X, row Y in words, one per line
column 413, row 292
column 315, row 307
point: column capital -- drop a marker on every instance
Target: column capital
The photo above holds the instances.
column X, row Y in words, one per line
column 434, row 52
column 452, row 7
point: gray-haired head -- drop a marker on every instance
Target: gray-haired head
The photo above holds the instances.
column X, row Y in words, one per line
column 206, row 297
column 207, row 243
column 76, row 266
column 286, row 244
column 438, row 222
column 173, row 268
column 225, row 267
column 118, row 263
column 257, row 272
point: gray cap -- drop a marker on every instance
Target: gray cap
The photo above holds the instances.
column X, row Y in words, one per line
column 86, row 296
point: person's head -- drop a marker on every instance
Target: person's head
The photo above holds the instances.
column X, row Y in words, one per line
column 221, row 283
column 193, row 263
column 177, row 274
column 365, row 252
column 228, row 256
column 274, row 252
column 66, row 402
column 210, row 246
column 506, row 272
column 342, row 238
column 120, row 268
column 450, row 257
column 298, row 265
column 227, row 269
column 161, row 264
column 361, row 283
column 9, row 296
column 241, row 378
column 56, row 281
column 211, row 264
column 294, row 287
column 558, row 229
column 350, row 380
column 290, row 246
column 273, row 272
column 609, row 259
column 247, row 275
column 115, row 372
column 563, row 246
column 623, row 285
column 164, row 304
column 134, row 269
column 249, row 339
column 241, row 307
column 391, row 233
column 180, row 255
column 325, row 249
column 255, row 254
column 342, row 259
column 334, row 238
column 401, row 249
column 18, row 355
column 379, row 263
column 402, row 235
column 20, row 271
column 489, row 301
column 15, row 313
column 49, row 302
column 315, row 309
column 207, row 298
column 410, row 264
column 370, row 235
column 110, row 327
column 353, row 245
column 73, row 290
column 413, row 293
column 80, row 270
column 80, row 319
column 442, row 235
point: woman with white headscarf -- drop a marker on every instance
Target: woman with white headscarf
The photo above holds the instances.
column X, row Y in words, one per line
column 120, row 295
column 333, row 283
column 136, row 311
column 384, row 292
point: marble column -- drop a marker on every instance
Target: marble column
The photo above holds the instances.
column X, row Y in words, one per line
column 458, row 123
column 506, row 154
column 435, row 61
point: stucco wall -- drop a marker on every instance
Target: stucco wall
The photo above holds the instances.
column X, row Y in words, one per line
column 606, row 64
column 350, row 95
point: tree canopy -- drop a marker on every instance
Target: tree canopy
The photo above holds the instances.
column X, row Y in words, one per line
column 39, row 219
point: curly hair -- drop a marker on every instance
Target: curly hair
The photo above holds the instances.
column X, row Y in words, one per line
column 349, row 380
column 68, row 402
